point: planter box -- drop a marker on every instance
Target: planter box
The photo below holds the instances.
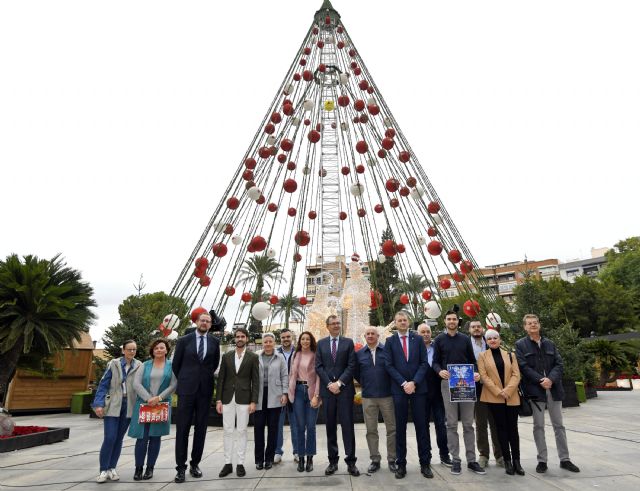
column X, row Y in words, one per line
column 570, row 394
column 53, row 435
column 623, row 383
column 635, row 383
column 590, row 391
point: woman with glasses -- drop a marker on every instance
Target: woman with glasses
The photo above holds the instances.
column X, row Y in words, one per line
column 304, row 389
column 114, row 402
column 154, row 383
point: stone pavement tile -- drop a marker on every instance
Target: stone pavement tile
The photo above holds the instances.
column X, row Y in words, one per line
column 46, row 479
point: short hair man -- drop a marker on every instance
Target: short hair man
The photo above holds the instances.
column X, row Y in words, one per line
column 541, row 369
column 453, row 347
column 407, row 366
column 236, row 398
column 482, row 415
column 435, row 405
column 287, row 349
column 371, row 373
column 335, row 364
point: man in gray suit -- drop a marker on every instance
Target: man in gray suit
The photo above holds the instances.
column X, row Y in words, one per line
column 236, row 398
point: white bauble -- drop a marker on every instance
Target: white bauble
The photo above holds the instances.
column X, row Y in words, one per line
column 288, row 89
column 344, row 78
column 173, row 335
column 387, row 122
column 220, row 226
column 261, row 311
column 170, row 321
column 271, row 140
column 432, row 309
column 437, row 219
column 371, row 101
column 421, row 240
column 271, row 252
column 307, row 105
column 357, row 189
column 381, row 258
column 254, row 193
column 417, row 192
column 493, row 319
column 306, row 170
column 295, row 122
column 236, row 239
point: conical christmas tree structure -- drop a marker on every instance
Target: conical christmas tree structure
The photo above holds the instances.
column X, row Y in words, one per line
column 328, row 171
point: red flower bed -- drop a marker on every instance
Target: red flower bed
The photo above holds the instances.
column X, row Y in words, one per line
column 25, row 430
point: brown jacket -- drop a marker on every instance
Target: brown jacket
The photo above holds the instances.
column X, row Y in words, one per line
column 491, row 378
column 245, row 384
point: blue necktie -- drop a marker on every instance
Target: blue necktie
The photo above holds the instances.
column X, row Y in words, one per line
column 201, row 348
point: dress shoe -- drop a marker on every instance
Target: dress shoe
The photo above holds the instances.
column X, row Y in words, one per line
column 259, row 466
column 401, row 471
column 300, row 464
column 508, row 468
column 331, row 469
column 195, row 471
column 309, row 466
column 137, row 475
column 268, row 465
column 179, row 477
column 226, row 470
column 426, row 471
column 446, row 461
column 148, row 473
column 393, row 467
column 373, row 467
column 475, row 467
column 353, row 470
column 541, row 468
column 240, row 472
column 569, row 466
column 518, row 468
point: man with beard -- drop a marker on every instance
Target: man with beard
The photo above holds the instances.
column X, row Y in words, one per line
column 236, row 398
column 195, row 360
column 287, row 341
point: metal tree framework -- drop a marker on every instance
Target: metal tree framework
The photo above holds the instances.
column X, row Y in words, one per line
column 327, row 171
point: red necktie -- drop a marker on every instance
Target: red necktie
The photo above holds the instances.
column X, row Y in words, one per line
column 404, row 347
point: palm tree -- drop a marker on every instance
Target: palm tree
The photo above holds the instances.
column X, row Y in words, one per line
column 290, row 306
column 610, row 356
column 413, row 285
column 44, row 307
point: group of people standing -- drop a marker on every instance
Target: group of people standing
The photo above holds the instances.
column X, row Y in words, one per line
column 409, row 372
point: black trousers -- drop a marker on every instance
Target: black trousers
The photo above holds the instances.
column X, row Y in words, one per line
column 269, row 418
column 339, row 409
column 506, row 419
column 419, row 411
column 191, row 408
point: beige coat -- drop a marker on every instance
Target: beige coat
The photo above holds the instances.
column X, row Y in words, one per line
column 491, row 378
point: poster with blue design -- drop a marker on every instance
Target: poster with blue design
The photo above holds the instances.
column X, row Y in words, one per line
column 462, row 387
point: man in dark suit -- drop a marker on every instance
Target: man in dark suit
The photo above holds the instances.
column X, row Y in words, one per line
column 236, row 399
column 335, row 365
column 407, row 365
column 195, row 360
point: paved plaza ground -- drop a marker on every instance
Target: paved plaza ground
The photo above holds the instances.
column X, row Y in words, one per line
column 604, row 441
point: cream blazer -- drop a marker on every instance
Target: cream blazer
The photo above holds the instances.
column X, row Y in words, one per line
column 492, row 384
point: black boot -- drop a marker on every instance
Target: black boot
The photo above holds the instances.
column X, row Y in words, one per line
column 518, row 468
column 137, row 475
column 309, row 466
column 148, row 473
column 301, row 464
column 508, row 467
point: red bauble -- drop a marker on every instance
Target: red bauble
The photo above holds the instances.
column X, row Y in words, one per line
column 471, row 308
column 362, row 147
column 276, row 118
column 219, row 249
column 373, row 109
column 287, row 109
column 291, row 212
column 454, row 256
column 388, row 143
column 327, row 20
column 291, row 166
column 433, row 207
column 205, row 281
column 261, row 200
column 457, row 276
column 282, row 158
column 340, row 45
column 229, row 291
column 364, row 85
column 357, row 71
column 352, row 52
column 320, row 44
column 360, row 169
column 340, row 29
column 359, row 105
column 199, row 272
column 307, row 51
column 466, row 266
column 302, row 238
column 404, row 156
column 259, row 243
column 445, row 284
column 411, row 181
column 307, row 122
column 246, row 297
column 195, row 313
column 296, row 77
column 404, row 191
column 269, row 129
column 312, row 215
column 404, row 299
column 401, row 248
column 247, row 175
column 378, row 208
column 363, row 118
column 376, row 299
column 250, row 163
column 434, row 247
column 286, row 145
column 392, row 185
column 315, row 30
column 264, row 152
column 389, row 248
column 426, row 294
column 342, row 215
column 394, row 202
column 297, row 257
column 290, row 185
column 202, row 263
column 390, row 133
column 314, row 136
column 307, row 75
column 345, row 171
column 303, row 62
column 272, row 207
column 273, row 299
column 361, row 212
column 370, row 90
column 432, row 231
column 343, row 100
column 382, row 153
column 303, row 301
column 233, row 203
column 228, row 229
column 322, row 67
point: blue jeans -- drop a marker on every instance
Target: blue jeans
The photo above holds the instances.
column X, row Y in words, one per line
column 152, row 443
column 306, row 418
column 293, row 427
column 114, row 431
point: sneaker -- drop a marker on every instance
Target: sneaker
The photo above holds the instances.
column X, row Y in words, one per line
column 456, row 468
column 113, row 475
column 541, row 468
column 500, row 462
column 446, row 461
column 295, row 457
column 483, row 461
column 475, row 467
column 570, row 466
column 103, row 477
column 277, row 459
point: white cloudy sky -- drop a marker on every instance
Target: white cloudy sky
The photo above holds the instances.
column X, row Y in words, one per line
column 121, row 122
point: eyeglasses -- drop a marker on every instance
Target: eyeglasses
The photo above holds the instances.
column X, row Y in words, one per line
column 334, row 323
column 132, row 350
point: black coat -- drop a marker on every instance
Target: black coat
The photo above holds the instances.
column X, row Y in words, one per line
column 195, row 376
column 537, row 362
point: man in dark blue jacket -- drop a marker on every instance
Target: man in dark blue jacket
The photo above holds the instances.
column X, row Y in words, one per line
column 407, row 365
column 371, row 373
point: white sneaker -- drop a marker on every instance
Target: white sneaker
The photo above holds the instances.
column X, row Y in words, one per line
column 104, row 475
column 113, row 475
column 295, row 457
column 483, row 461
column 277, row 459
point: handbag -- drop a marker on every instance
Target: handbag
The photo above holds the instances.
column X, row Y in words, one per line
column 524, row 409
column 153, row 414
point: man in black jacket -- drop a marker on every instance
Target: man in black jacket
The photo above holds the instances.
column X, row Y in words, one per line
column 541, row 369
column 195, row 360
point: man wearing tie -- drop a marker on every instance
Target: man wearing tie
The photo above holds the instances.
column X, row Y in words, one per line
column 407, row 365
column 195, row 360
column 335, row 365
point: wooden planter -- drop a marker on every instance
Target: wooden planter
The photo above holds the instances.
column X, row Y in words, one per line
column 52, row 435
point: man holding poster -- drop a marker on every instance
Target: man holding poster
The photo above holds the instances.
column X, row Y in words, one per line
column 455, row 362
